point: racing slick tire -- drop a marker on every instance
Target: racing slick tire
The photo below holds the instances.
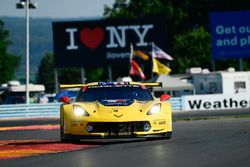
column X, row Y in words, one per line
column 167, row 135
column 66, row 138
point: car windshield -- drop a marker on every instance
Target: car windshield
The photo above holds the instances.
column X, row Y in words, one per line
column 107, row 93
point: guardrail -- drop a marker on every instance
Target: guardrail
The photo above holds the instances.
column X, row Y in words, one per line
column 176, row 103
column 30, row 110
column 50, row 109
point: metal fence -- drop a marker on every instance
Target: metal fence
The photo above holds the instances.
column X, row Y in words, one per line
column 50, row 109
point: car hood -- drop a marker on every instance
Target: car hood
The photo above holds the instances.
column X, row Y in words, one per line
column 100, row 111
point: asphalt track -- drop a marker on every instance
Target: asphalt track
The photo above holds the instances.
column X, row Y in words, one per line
column 217, row 143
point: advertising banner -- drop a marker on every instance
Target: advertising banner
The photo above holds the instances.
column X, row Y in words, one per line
column 215, row 102
column 105, row 42
column 230, row 34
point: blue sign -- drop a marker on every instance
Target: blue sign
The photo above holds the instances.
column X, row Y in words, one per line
column 230, row 34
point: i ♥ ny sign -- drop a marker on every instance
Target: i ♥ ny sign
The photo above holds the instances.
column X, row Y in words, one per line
column 102, row 42
column 116, row 36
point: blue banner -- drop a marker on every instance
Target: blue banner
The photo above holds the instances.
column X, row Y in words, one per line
column 230, row 34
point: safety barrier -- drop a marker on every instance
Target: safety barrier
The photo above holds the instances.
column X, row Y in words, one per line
column 29, row 110
column 49, row 109
column 176, row 103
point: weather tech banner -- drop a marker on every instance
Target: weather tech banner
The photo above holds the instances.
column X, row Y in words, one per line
column 215, row 102
column 105, row 42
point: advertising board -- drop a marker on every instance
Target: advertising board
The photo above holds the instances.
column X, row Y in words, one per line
column 215, row 102
column 230, row 34
column 101, row 42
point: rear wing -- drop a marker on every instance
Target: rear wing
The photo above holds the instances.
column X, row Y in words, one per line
column 69, row 86
column 148, row 84
column 101, row 84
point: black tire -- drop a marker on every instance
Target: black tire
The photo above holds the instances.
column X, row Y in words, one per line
column 66, row 138
column 167, row 135
column 62, row 135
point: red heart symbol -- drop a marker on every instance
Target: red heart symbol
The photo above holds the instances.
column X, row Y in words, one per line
column 92, row 38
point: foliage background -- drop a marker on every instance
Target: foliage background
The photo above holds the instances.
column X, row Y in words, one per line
column 8, row 62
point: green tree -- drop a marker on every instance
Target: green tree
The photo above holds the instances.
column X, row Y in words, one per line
column 46, row 73
column 69, row 75
column 73, row 75
column 182, row 18
column 65, row 75
column 95, row 75
column 192, row 49
column 8, row 62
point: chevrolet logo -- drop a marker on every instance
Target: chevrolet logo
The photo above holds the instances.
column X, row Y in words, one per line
column 118, row 116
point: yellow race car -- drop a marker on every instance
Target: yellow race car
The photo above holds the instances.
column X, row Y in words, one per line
column 114, row 109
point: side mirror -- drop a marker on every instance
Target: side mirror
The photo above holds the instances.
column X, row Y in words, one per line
column 165, row 97
column 64, row 99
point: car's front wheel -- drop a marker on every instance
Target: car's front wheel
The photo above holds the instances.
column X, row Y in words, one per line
column 63, row 137
column 66, row 138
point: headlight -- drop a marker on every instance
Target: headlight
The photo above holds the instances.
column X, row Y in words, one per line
column 154, row 109
column 79, row 111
